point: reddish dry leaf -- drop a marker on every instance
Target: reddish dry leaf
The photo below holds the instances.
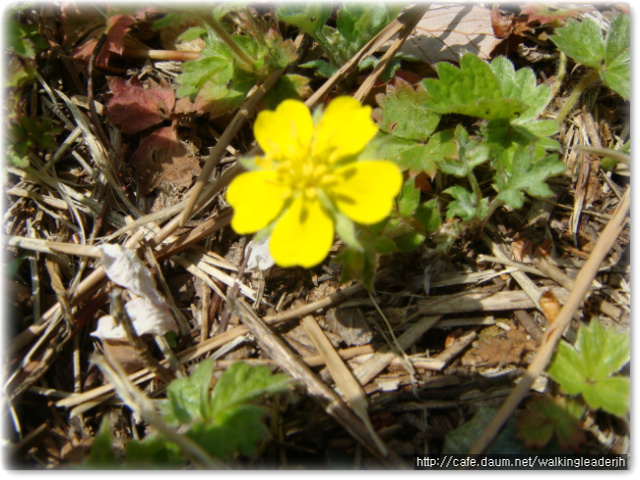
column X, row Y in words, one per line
column 135, row 108
column 545, row 249
column 502, row 25
column 161, row 157
column 116, row 27
column 544, row 15
column 446, row 32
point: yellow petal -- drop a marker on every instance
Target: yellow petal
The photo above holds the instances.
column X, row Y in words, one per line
column 344, row 130
column 286, row 132
column 364, row 191
column 257, row 198
column 303, row 236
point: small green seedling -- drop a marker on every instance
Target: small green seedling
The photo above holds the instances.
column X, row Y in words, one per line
column 588, row 368
column 222, row 421
column 546, row 417
column 610, row 55
column 356, row 24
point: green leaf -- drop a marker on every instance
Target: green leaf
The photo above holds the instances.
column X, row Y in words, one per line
column 409, row 198
column 471, row 90
column 288, row 86
column 616, row 71
column 612, row 395
column 216, row 67
column 545, row 416
column 603, row 352
column 465, row 204
column 101, row 455
column 582, row 41
column 470, row 155
column 407, row 154
column 389, row 71
column 309, row 18
column 323, row 69
column 189, row 397
column 242, row 383
column 346, row 230
column 154, row 452
column 527, row 175
column 428, row 215
column 588, row 367
column 235, row 430
column 407, row 242
column 521, row 85
column 357, row 23
column 403, row 112
column 190, row 34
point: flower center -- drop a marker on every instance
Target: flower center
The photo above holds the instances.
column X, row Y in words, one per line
column 304, row 176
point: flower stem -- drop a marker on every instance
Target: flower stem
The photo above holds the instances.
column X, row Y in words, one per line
column 245, row 61
column 575, row 95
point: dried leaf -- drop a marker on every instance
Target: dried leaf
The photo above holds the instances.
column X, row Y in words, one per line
column 259, row 257
column 446, row 32
column 161, row 157
column 116, row 27
column 123, row 267
column 149, row 313
column 136, row 108
column 502, row 25
column 521, row 249
column 550, row 305
column 545, row 15
column 350, row 325
column 500, row 350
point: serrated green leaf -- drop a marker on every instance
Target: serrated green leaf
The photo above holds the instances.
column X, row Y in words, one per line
column 527, row 175
column 521, row 85
column 470, row 155
column 241, row 383
column 403, row 113
column 567, row 370
column 465, row 204
column 323, row 69
column 288, row 86
column 385, row 246
column 409, row 198
column 618, row 41
column 407, row 154
column 408, row 242
column 235, row 430
column 101, row 455
column 154, row 452
column 546, row 416
column 309, row 18
column 190, row 34
column 587, row 368
column 612, row 395
column 428, row 215
column 359, row 22
column 188, row 398
column 471, row 90
column 603, row 351
column 582, row 41
column 616, row 71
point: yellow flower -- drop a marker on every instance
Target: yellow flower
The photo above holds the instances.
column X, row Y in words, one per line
column 308, row 176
